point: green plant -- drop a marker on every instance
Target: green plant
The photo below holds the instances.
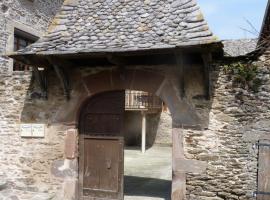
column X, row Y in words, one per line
column 244, row 75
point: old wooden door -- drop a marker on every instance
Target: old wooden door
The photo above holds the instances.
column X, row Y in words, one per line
column 263, row 192
column 101, row 147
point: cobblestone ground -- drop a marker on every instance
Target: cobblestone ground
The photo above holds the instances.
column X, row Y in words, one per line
column 148, row 176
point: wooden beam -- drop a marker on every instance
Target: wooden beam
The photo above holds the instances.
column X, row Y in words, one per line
column 62, row 75
column 41, row 79
column 179, row 56
column 178, row 178
column 207, row 60
column 116, row 60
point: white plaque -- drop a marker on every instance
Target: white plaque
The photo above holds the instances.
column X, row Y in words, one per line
column 26, row 130
column 38, row 130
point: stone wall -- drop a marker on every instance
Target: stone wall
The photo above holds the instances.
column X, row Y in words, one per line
column 25, row 163
column 237, row 119
column 164, row 130
column 32, row 167
column 30, row 16
column 158, row 128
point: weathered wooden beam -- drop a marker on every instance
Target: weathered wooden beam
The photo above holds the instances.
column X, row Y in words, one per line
column 40, row 76
column 63, row 77
column 116, row 60
column 41, row 79
column 179, row 56
column 61, row 74
column 207, row 60
column 178, row 178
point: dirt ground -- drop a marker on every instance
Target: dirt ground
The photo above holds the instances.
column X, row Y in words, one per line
column 148, row 176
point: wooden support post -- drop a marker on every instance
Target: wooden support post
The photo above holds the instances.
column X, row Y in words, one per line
column 64, row 80
column 41, row 79
column 61, row 73
column 143, row 132
column 179, row 56
column 178, row 178
column 207, row 59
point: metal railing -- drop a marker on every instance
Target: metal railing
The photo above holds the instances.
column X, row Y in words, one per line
column 139, row 100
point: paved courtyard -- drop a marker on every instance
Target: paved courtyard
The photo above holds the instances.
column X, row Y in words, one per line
column 148, row 176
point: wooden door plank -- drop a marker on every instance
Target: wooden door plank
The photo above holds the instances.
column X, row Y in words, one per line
column 101, row 123
column 264, row 170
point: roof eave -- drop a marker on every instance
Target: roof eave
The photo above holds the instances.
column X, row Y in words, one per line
column 264, row 24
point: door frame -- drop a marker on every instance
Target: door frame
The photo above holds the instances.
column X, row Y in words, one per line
column 81, row 164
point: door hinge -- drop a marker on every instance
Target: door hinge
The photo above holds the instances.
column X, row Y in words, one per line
column 260, row 193
column 257, row 145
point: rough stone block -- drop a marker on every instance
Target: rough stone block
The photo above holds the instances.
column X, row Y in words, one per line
column 71, row 144
column 70, row 190
column 189, row 166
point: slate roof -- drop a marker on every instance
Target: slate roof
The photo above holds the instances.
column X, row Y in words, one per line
column 240, row 47
column 123, row 25
column 265, row 29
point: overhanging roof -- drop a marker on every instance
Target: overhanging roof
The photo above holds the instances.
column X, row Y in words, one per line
column 265, row 29
column 107, row 26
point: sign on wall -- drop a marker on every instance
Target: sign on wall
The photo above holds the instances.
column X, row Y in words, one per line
column 26, row 130
column 33, row 130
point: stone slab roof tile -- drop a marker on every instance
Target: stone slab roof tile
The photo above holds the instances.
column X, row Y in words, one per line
column 123, row 25
column 240, row 47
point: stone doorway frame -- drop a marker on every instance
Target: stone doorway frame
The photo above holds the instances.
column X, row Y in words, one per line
column 183, row 116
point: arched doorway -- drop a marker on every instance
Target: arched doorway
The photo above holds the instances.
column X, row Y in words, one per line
column 183, row 114
column 103, row 130
column 101, row 146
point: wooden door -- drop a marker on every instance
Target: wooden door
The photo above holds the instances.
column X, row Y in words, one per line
column 101, row 147
column 263, row 192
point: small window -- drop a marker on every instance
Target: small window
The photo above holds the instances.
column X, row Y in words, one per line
column 21, row 41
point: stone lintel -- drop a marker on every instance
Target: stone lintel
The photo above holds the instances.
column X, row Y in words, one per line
column 189, row 166
column 71, row 143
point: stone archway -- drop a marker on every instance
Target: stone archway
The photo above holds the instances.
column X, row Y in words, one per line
column 183, row 114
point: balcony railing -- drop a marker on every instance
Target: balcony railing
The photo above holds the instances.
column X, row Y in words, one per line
column 139, row 100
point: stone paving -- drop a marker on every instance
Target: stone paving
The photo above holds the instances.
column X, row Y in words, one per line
column 148, row 176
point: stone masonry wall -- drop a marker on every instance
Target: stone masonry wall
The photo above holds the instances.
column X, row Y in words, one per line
column 225, row 145
column 35, row 15
column 29, row 164
column 164, row 130
column 25, row 163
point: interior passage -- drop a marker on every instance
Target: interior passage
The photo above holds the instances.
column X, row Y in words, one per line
column 148, row 176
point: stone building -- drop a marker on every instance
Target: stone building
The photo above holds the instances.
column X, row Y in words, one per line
column 74, row 104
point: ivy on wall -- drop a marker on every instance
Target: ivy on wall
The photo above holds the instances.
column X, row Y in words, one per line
column 244, row 75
